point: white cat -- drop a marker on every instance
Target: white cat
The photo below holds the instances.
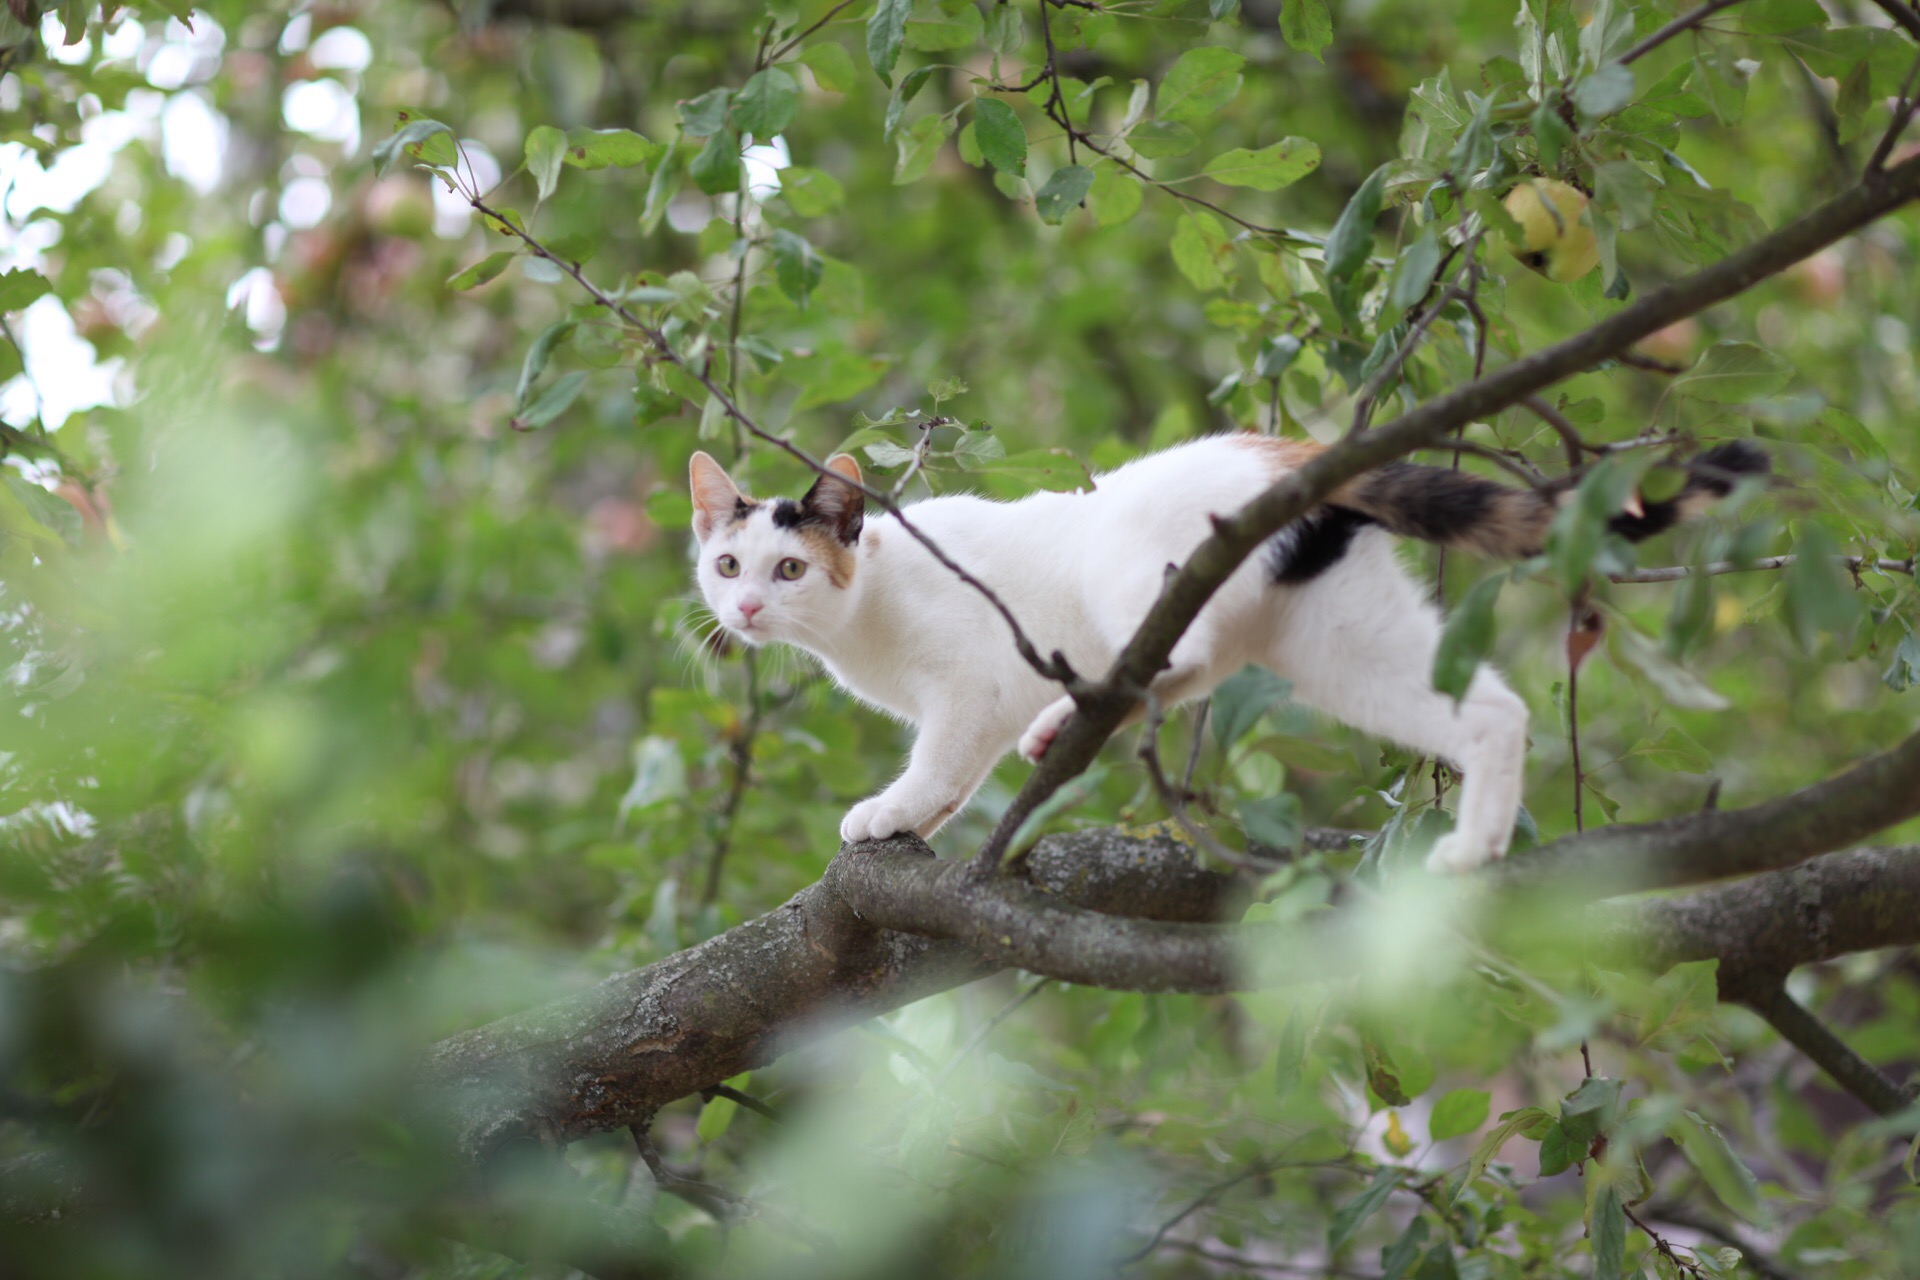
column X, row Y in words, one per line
column 1326, row 604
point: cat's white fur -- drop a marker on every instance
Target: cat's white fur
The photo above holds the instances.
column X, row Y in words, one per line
column 1079, row 570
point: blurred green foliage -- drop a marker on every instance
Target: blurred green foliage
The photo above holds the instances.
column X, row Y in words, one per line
column 359, row 691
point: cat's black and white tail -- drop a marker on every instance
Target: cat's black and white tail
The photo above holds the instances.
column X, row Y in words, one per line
column 1455, row 509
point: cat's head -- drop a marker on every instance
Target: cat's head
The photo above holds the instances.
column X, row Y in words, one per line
column 778, row 570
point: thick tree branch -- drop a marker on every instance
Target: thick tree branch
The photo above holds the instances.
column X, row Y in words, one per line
column 1700, row 847
column 1103, row 706
column 643, row 1039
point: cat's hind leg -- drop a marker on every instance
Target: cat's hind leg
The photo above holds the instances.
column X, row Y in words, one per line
column 1359, row 644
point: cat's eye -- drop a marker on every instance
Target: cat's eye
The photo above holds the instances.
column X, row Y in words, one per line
column 728, row 567
column 789, row 569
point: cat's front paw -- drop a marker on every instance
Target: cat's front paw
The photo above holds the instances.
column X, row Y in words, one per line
column 875, row 819
column 1045, row 728
column 1456, row 854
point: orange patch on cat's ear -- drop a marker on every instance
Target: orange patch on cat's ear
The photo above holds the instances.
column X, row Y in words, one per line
column 1281, row 455
column 716, row 499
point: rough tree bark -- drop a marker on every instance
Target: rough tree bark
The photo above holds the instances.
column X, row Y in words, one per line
column 888, row 924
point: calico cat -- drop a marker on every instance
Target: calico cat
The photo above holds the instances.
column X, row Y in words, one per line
column 1326, row 604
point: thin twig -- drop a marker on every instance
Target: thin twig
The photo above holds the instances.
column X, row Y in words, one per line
column 1674, row 573
column 1055, row 668
column 1228, row 1258
column 1569, row 435
column 723, row 1205
column 1363, row 405
column 741, row 754
column 1258, row 1169
column 1200, row 711
column 986, row 1029
column 1903, row 16
column 1902, row 116
column 1508, row 462
column 790, row 45
column 1058, row 98
column 1770, row 1268
column 1685, row 22
column 1660, row 1243
column 741, row 1098
column 1807, row 1033
column 1174, row 801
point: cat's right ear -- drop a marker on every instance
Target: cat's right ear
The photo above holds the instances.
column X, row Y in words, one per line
column 716, row 499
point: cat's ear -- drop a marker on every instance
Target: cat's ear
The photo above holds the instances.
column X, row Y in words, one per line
column 840, row 506
column 716, row 498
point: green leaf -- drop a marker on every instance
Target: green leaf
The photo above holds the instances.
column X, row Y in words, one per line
column 1000, row 135
column 1678, row 686
column 538, row 354
column 831, row 64
column 17, row 512
column 1608, row 1230
column 1242, row 698
column 1351, row 239
column 1413, row 271
column 903, row 93
column 1200, row 82
column 1397, row 1259
column 1851, row 105
column 766, row 103
column 552, row 402
column 546, row 148
column 1066, row 187
column 1202, row 250
column 706, row 115
column 917, row 145
column 1290, row 1059
column 1276, row 356
column 1116, row 197
column 717, row 168
column 796, row 266
column 1511, row 1122
column 1708, row 1152
column 1459, row 1112
column 1734, row 373
column 811, row 193
column 1550, row 133
column 21, row 287
column 1306, row 25
column 1467, row 639
column 1558, row 1152
column 1348, row 1218
column 1674, row 750
column 1268, row 169
column 411, row 136
column 885, row 30
column 1604, row 92
column 481, row 272
column 610, row 149
column 1589, row 1111
column 961, row 29
column 1273, row 822
column 1162, row 139
column 1819, row 594
column 1905, row 670
column 1771, row 17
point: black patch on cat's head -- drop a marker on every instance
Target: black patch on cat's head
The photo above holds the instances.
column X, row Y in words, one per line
column 788, row 514
column 1313, row 544
column 834, row 503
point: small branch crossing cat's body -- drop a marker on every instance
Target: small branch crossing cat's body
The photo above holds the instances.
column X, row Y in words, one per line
column 1327, row 605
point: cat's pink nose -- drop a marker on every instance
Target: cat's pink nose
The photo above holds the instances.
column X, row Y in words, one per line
column 748, row 608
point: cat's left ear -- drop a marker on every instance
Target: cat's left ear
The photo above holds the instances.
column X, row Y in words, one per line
column 715, row 496
column 841, row 506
